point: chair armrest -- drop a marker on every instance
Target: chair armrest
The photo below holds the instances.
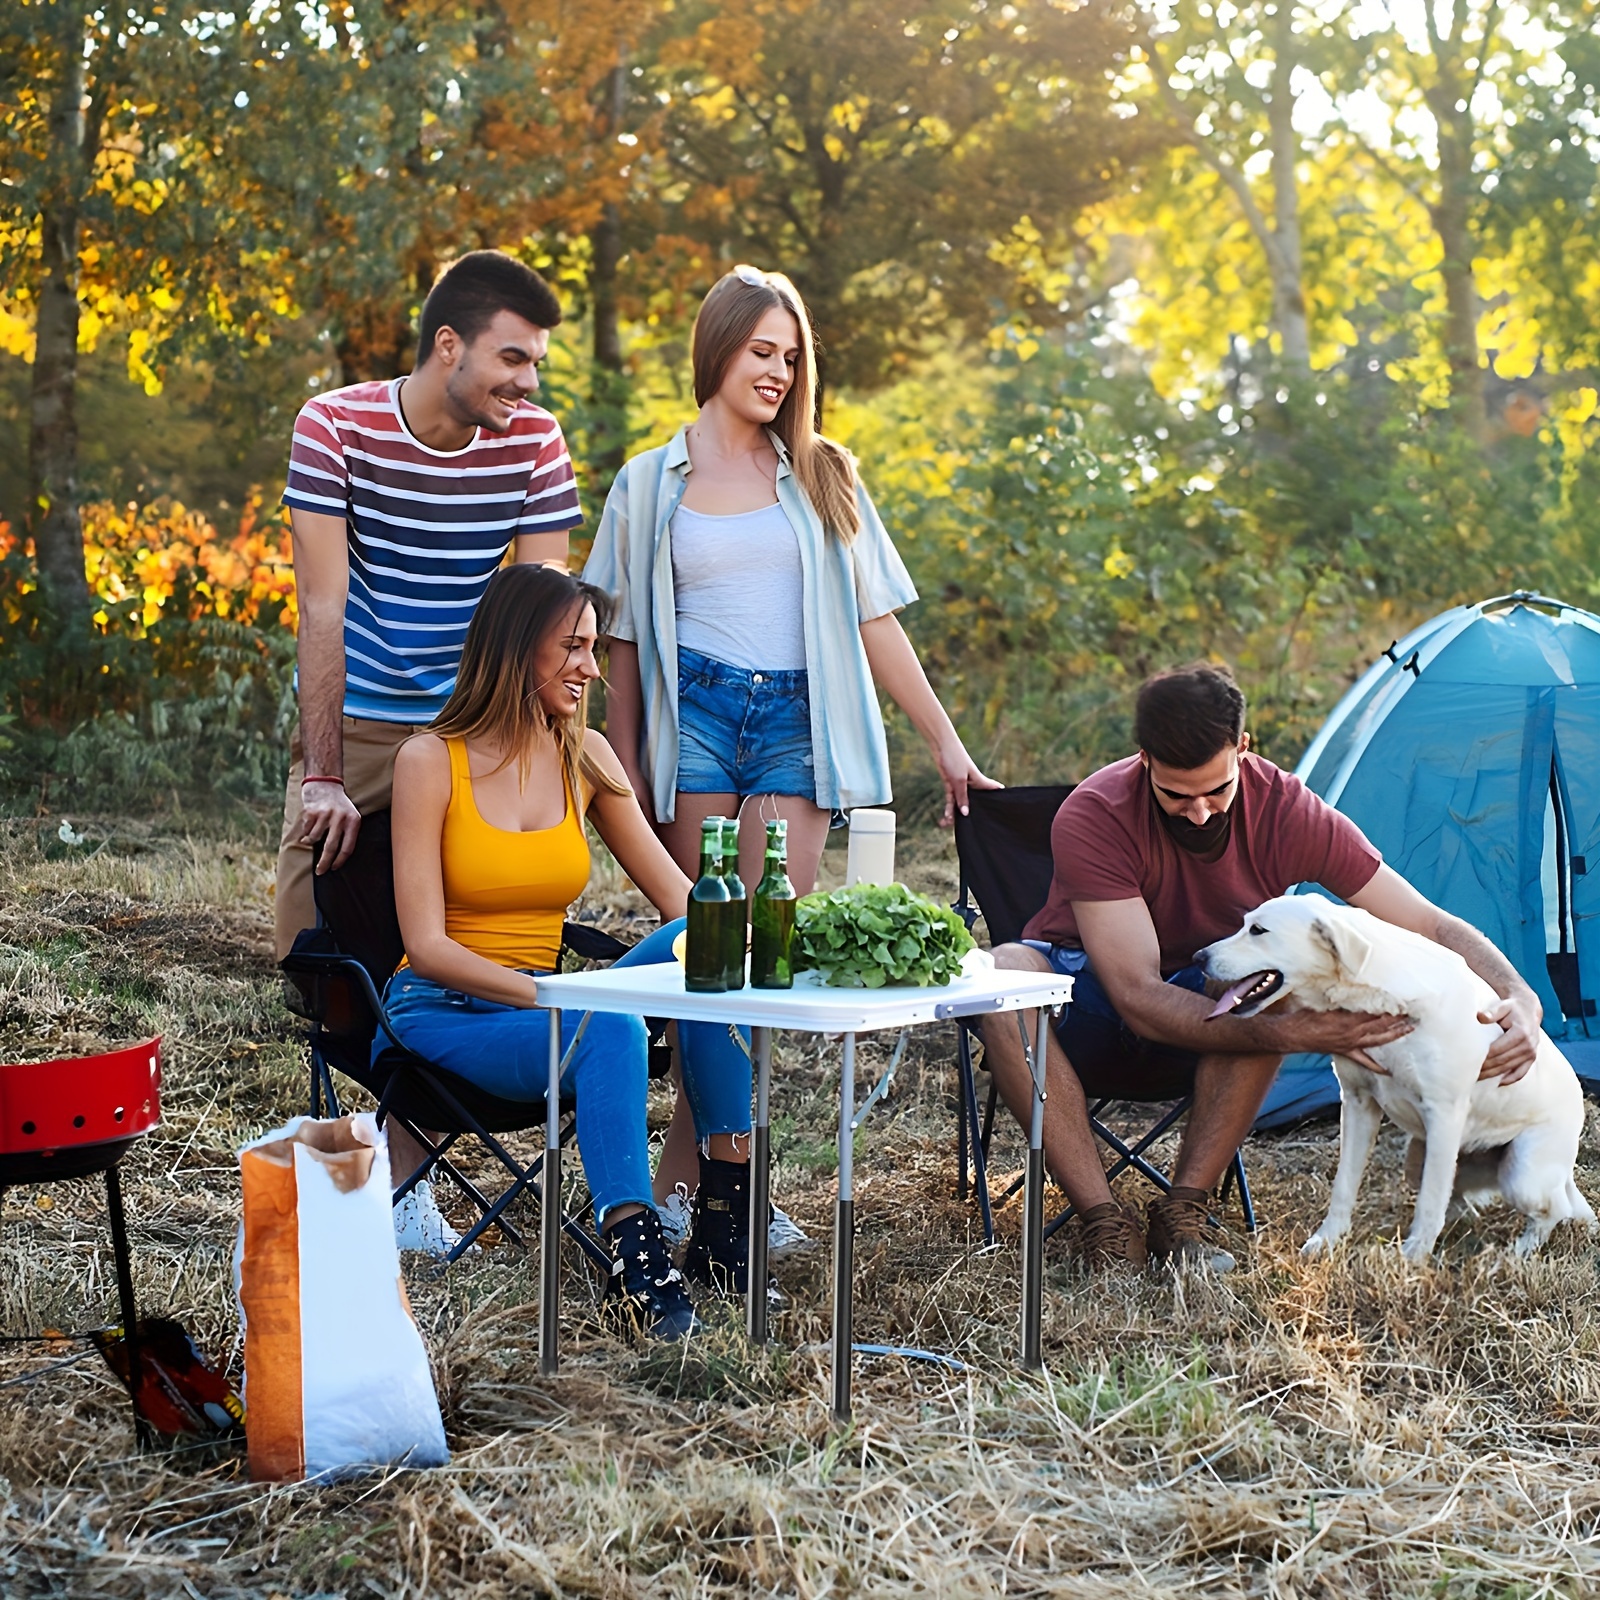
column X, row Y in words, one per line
column 322, row 963
column 370, row 994
column 590, row 943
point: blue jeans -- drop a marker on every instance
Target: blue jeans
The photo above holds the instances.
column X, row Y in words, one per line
column 1106, row 1055
column 743, row 732
column 506, row 1050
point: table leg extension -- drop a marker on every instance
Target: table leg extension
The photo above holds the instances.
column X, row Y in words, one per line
column 1033, row 1209
column 844, row 1238
column 550, row 1214
column 755, row 1311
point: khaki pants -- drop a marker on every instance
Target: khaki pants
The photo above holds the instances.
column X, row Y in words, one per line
column 369, row 749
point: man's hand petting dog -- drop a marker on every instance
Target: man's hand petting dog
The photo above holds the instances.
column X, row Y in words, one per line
column 1350, row 1034
column 1514, row 1051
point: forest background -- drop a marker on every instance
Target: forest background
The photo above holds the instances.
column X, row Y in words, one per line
column 1258, row 330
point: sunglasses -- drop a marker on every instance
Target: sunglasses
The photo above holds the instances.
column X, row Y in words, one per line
column 750, row 275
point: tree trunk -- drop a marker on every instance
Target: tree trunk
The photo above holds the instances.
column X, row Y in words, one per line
column 608, row 442
column 1278, row 237
column 53, row 423
column 1449, row 98
column 1452, row 221
column 375, row 342
column 53, row 516
column 1284, row 258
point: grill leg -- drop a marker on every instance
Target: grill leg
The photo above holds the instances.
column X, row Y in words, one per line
column 130, row 1311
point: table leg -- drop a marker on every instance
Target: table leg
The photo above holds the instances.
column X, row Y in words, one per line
column 1033, row 1209
column 755, row 1310
column 550, row 1214
column 844, row 1235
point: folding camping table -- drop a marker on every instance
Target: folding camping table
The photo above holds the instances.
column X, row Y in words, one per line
column 809, row 1007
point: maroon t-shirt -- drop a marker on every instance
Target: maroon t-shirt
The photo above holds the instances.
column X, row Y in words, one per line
column 1110, row 843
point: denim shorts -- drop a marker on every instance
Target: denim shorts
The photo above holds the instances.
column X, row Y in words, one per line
column 1107, row 1056
column 742, row 732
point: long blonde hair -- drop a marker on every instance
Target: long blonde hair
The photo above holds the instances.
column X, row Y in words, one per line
column 496, row 697
column 728, row 316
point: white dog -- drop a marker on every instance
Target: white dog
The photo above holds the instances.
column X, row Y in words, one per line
column 1524, row 1135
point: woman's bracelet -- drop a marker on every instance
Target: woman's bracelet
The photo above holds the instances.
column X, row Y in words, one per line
column 308, row 779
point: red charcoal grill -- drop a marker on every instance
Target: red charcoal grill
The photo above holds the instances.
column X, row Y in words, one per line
column 73, row 1118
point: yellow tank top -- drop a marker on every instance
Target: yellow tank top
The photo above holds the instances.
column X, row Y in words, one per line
column 506, row 894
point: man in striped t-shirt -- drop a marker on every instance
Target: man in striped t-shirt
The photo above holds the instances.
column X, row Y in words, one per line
column 405, row 496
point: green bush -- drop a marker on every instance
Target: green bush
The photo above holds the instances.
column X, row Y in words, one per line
column 197, row 708
column 1084, row 532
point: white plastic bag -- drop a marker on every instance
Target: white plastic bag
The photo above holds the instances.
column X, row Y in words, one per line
column 336, row 1376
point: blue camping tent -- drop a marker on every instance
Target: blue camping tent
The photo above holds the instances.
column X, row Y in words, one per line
column 1470, row 755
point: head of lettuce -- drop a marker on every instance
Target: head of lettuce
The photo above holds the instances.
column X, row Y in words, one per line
column 873, row 935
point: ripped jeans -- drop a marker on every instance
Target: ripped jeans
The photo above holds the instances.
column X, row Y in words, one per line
column 505, row 1049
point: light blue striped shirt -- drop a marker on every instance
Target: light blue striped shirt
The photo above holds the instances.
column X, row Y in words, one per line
column 843, row 585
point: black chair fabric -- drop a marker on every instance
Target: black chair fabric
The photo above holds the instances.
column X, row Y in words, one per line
column 1004, row 848
column 356, row 900
column 340, row 969
column 1003, row 845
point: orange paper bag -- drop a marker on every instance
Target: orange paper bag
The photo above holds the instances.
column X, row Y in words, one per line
column 336, row 1376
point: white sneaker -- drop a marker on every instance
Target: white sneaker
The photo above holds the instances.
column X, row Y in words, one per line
column 420, row 1225
column 784, row 1238
column 676, row 1217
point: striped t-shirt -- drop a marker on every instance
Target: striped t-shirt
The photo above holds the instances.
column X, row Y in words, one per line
column 427, row 530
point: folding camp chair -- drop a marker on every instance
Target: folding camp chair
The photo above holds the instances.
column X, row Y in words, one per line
column 338, row 970
column 1003, row 845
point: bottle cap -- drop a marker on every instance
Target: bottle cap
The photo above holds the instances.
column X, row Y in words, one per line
column 778, row 829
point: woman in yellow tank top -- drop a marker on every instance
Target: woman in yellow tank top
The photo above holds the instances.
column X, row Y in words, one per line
column 489, row 852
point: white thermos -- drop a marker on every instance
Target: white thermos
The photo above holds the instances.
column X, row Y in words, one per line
column 871, row 857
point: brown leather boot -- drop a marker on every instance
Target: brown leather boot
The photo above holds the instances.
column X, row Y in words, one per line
column 1110, row 1236
column 1181, row 1231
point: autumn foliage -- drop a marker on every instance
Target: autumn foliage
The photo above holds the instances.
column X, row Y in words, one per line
column 186, row 681
column 1253, row 330
column 155, row 563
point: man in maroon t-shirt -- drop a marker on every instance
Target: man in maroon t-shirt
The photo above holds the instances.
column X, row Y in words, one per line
column 1156, row 856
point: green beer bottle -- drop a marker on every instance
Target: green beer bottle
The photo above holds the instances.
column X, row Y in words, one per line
column 704, row 961
column 772, row 916
column 734, row 927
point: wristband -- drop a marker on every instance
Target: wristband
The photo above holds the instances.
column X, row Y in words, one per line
column 306, row 780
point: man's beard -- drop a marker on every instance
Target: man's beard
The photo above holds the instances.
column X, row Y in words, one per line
column 1208, row 839
column 476, row 411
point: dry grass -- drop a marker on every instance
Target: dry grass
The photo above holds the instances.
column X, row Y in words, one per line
column 1347, row 1428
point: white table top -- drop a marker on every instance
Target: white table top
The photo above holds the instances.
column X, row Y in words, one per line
column 657, row 991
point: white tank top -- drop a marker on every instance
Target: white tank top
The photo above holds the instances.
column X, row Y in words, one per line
column 738, row 585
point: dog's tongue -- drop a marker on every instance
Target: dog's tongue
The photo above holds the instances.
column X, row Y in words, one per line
column 1234, row 995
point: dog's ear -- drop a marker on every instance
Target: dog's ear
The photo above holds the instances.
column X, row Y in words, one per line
column 1349, row 946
